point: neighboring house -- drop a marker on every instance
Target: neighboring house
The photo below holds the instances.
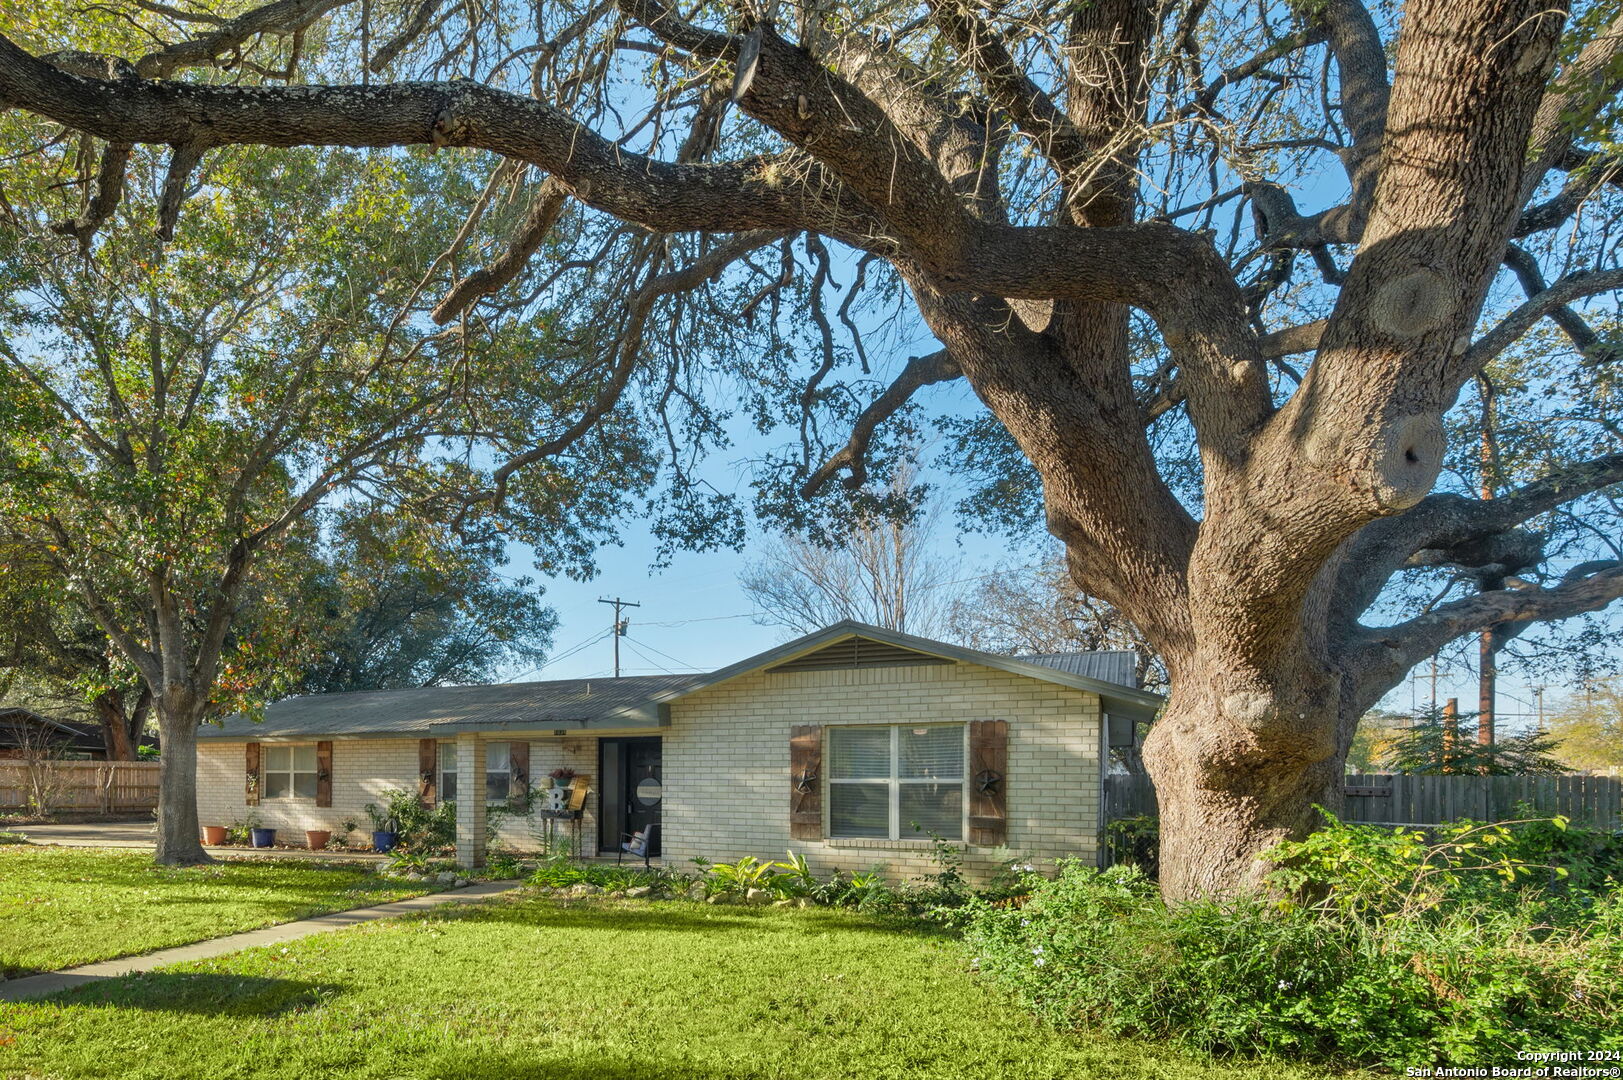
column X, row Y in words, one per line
column 25, row 733
column 834, row 745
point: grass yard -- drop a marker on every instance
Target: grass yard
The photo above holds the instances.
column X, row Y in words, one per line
column 65, row 906
column 528, row 987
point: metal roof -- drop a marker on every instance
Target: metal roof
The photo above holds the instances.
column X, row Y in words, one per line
column 572, row 703
column 1110, row 665
column 1115, row 694
column 638, row 700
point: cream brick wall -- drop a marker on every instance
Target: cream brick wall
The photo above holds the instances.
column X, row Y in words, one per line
column 362, row 770
column 726, row 762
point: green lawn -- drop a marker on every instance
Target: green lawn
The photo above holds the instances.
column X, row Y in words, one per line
column 529, row 987
column 65, row 906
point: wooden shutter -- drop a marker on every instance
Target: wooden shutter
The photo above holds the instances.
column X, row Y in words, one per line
column 255, row 778
column 518, row 777
column 323, row 774
column 428, row 770
column 988, row 782
column 806, row 782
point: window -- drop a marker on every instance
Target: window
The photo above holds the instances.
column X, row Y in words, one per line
column 498, row 770
column 882, row 781
column 447, row 789
column 290, row 772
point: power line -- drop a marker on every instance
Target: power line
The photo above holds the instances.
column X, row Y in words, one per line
column 709, row 618
column 566, row 654
column 666, row 655
column 632, row 646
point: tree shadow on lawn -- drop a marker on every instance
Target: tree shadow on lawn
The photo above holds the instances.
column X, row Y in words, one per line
column 206, row 992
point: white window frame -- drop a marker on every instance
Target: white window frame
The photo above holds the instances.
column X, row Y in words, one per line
column 444, row 748
column 291, row 772
column 893, row 783
column 507, row 788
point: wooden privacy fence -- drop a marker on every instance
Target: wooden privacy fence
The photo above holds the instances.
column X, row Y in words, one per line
column 1431, row 800
column 79, row 785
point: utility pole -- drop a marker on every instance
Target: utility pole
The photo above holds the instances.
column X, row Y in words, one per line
column 619, row 627
column 1488, row 642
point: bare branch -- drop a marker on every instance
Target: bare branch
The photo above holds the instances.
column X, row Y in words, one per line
column 1572, row 324
column 109, row 191
column 281, row 17
column 1518, row 322
column 1292, row 340
column 1589, row 587
column 408, row 33
column 627, row 352
column 543, row 214
column 185, row 159
column 1010, row 88
column 921, row 371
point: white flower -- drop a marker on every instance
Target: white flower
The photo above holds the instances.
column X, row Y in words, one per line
column 1283, row 985
column 1038, row 951
column 1039, row 961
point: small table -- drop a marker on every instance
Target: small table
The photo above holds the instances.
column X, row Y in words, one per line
column 549, row 829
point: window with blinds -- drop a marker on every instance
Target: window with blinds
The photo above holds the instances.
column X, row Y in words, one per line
column 891, row 782
column 290, row 772
column 498, row 770
column 447, row 788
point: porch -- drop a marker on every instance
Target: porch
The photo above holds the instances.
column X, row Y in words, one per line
column 500, row 783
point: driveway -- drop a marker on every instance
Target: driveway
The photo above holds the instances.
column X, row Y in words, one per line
column 143, row 834
column 91, row 834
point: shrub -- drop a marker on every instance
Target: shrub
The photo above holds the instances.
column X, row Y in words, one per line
column 419, row 826
column 1465, row 981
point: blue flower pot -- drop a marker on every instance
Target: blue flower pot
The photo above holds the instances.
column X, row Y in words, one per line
column 262, row 837
column 384, row 841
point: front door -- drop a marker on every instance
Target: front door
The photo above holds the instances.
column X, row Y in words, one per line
column 632, row 790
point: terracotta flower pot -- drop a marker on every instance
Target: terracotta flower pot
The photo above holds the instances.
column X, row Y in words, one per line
column 214, row 835
column 316, row 839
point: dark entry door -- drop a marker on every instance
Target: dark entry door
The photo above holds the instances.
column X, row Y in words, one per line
column 632, row 790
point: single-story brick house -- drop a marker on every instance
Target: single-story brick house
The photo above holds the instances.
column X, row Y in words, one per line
column 835, row 744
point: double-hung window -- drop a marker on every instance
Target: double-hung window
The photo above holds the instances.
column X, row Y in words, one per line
column 446, row 792
column 290, row 772
column 498, row 772
column 883, row 781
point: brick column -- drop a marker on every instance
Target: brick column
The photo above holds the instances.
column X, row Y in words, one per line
column 470, row 799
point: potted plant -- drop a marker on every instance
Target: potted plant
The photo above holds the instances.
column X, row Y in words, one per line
column 562, row 776
column 214, row 835
column 316, row 839
column 384, row 836
column 258, row 835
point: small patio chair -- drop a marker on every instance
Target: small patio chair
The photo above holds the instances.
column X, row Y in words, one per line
column 637, row 843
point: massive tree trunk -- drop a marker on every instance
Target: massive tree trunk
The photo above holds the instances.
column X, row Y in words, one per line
column 1239, row 767
column 180, row 840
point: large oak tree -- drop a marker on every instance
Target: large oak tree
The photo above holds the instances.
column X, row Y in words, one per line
column 1114, row 217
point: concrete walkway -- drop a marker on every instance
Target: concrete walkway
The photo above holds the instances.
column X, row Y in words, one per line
column 142, row 834
column 34, row 986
